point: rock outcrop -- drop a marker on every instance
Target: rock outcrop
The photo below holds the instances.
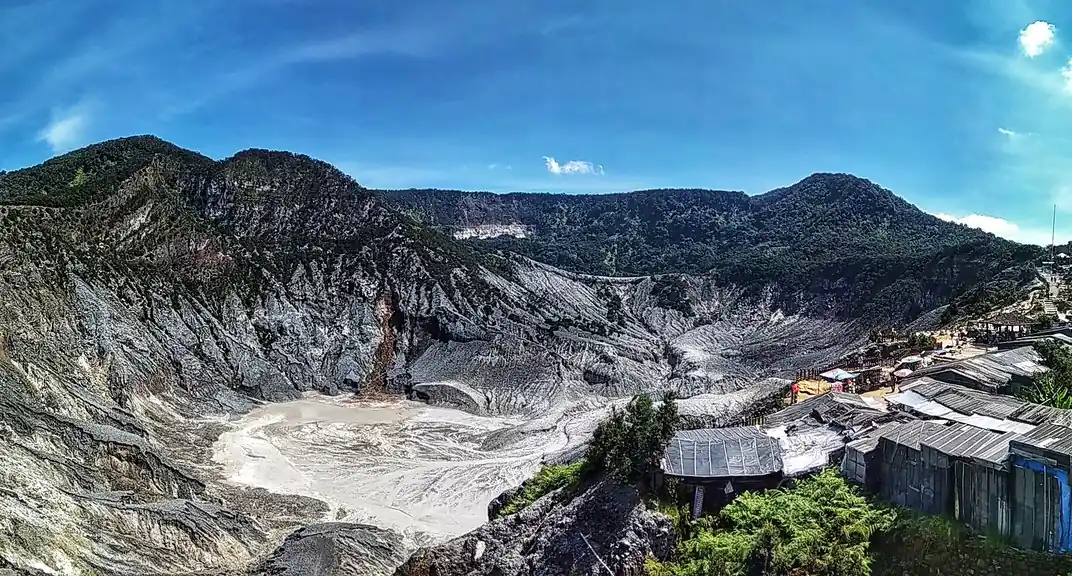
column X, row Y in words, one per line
column 604, row 527
column 334, row 549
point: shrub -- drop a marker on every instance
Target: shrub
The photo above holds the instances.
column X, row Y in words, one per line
column 551, row 477
column 627, row 445
column 1053, row 387
column 821, row 526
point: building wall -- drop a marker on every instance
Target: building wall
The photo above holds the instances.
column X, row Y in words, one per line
column 982, row 498
column 1029, row 503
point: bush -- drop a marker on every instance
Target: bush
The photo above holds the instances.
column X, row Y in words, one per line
column 1053, row 387
column 821, row 526
column 551, row 477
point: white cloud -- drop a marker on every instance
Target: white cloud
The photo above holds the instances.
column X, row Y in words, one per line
column 66, row 130
column 1007, row 132
column 1036, row 37
column 993, row 224
column 571, row 167
column 1006, row 229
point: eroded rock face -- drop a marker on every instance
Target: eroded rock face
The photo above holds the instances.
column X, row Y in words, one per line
column 605, row 524
column 334, row 549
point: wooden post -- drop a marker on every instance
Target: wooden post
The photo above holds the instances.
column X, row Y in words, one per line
column 697, row 501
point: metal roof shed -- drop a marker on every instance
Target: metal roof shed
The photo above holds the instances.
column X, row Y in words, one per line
column 970, row 475
column 993, row 372
column 1049, row 443
column 906, row 481
column 860, row 463
column 722, row 453
column 840, row 408
column 726, row 460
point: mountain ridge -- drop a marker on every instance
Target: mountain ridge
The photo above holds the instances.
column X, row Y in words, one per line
column 797, row 237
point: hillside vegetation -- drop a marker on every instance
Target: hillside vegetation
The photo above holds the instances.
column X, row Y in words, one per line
column 831, row 243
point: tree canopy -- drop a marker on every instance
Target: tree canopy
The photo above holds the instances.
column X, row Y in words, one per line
column 845, row 242
column 629, row 443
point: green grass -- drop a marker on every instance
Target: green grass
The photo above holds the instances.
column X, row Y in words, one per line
column 550, row 477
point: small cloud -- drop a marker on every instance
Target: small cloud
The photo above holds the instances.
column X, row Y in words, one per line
column 66, row 130
column 1014, row 136
column 494, row 166
column 1066, row 76
column 1036, row 37
column 571, row 167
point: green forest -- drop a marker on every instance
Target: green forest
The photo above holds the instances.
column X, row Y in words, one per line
column 841, row 241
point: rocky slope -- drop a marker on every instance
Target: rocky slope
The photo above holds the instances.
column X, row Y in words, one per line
column 148, row 295
column 606, row 527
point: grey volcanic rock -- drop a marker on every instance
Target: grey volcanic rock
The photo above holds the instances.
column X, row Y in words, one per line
column 149, row 295
column 334, row 549
column 495, row 505
column 548, row 538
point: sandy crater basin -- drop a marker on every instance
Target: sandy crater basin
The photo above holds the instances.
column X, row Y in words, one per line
column 423, row 471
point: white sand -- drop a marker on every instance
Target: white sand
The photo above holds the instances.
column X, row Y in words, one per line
column 402, row 465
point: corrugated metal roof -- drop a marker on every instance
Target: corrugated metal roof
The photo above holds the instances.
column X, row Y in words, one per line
column 998, row 452
column 1030, row 340
column 992, row 370
column 963, row 441
column 974, row 407
column 722, row 453
column 732, row 433
column 1039, row 414
column 869, row 441
column 1052, row 437
column 831, row 406
column 983, row 409
column 910, row 434
column 1010, row 319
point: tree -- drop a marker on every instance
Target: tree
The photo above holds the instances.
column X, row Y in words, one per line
column 630, row 443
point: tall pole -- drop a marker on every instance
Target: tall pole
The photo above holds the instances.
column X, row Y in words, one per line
column 1053, row 242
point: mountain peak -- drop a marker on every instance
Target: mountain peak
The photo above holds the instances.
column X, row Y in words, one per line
column 88, row 173
column 838, row 188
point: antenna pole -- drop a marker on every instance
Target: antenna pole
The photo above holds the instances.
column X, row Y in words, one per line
column 1053, row 242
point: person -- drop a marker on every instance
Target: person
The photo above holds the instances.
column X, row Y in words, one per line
column 794, row 389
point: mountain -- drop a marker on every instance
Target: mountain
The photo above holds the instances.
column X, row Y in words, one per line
column 831, row 243
column 157, row 305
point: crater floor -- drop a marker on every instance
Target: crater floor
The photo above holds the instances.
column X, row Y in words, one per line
column 423, row 471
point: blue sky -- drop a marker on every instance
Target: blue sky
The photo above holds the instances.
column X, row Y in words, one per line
column 962, row 107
